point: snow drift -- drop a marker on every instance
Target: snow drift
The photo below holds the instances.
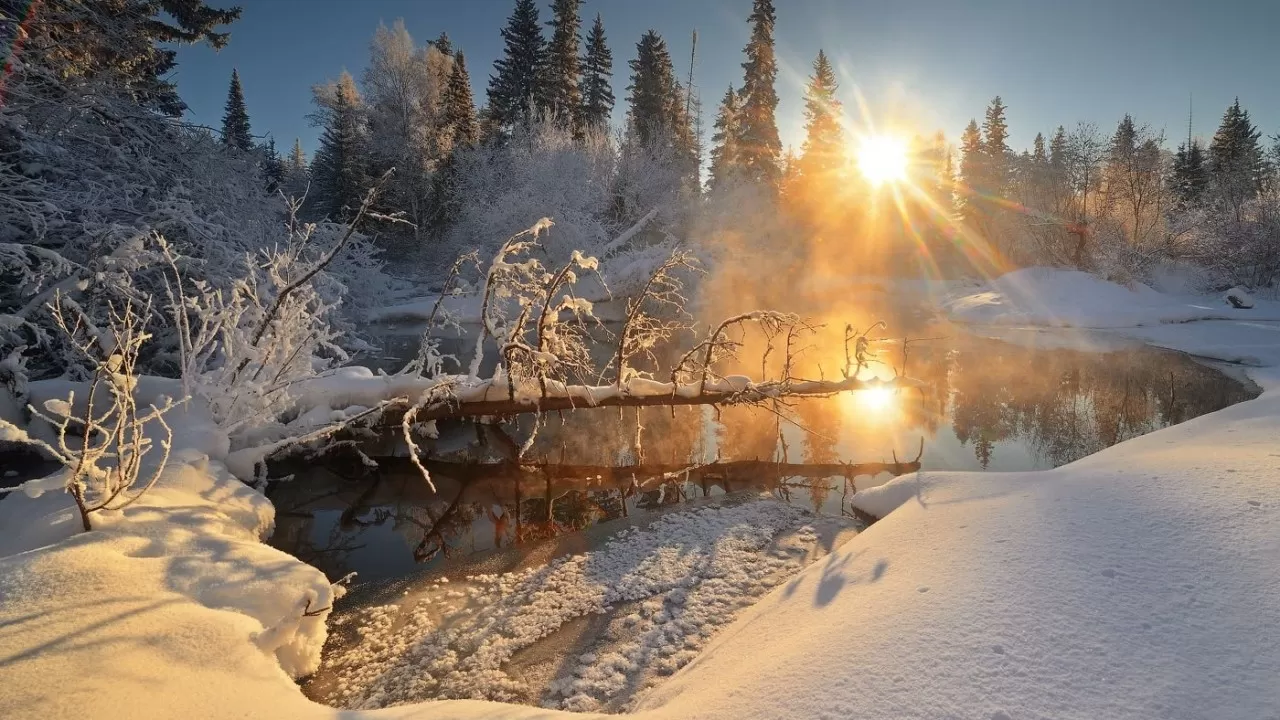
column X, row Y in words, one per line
column 1071, row 298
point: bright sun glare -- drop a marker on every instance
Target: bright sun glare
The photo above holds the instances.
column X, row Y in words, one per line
column 874, row 400
column 882, row 159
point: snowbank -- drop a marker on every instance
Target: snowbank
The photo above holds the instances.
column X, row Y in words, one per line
column 171, row 600
column 1070, row 298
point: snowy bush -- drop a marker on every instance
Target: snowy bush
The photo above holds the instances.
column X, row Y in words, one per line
column 103, row 441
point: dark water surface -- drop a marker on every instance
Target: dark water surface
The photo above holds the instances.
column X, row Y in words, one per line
column 1030, row 400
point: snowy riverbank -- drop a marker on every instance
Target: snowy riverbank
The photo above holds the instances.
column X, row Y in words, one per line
column 1143, row 581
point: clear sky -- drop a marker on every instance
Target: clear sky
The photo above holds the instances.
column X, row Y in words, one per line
column 931, row 64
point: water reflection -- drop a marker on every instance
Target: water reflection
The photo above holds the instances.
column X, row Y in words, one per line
column 985, row 404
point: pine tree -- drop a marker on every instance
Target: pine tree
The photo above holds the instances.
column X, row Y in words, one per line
column 597, row 90
column 562, row 72
column 652, row 87
column 338, row 171
column 725, row 163
column 1038, row 154
column 459, row 107
column 823, row 152
column 1236, row 163
column 235, row 121
column 514, row 88
column 995, row 145
column 759, row 145
column 272, row 166
column 443, row 44
column 1190, row 176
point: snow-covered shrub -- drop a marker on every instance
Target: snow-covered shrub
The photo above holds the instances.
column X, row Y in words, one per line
column 1245, row 250
column 103, row 440
column 540, row 171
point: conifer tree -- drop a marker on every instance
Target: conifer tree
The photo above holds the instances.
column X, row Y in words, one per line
column 760, row 148
column 131, row 44
column 973, row 168
column 514, row 88
column 1058, row 148
column 657, row 118
column 725, row 163
column 1190, row 176
column 652, row 87
column 1038, row 153
column 443, row 44
column 272, row 166
column 562, row 72
column 235, row 120
column 941, row 183
column 295, row 173
column 995, row 145
column 459, row 107
column 597, row 90
column 823, row 151
column 338, row 171
column 1236, row 164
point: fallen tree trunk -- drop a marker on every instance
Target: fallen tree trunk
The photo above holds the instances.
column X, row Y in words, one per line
column 496, row 401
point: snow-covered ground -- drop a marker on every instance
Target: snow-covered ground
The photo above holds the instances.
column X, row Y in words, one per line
column 659, row 592
column 1143, row 581
column 1069, row 298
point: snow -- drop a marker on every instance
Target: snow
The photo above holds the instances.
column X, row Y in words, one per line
column 677, row 582
column 1070, row 298
column 1138, row 582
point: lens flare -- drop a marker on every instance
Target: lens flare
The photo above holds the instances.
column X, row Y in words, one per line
column 883, row 159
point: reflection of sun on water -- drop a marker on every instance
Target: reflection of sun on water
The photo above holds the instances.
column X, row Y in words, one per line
column 875, row 402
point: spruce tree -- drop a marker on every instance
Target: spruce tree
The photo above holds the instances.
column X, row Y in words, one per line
column 443, row 44
column 272, row 166
column 1236, row 163
column 995, row 144
column 1190, row 176
column 1038, row 154
column 597, row 90
column 338, row 171
column 759, row 145
column 823, row 152
column 725, row 163
column 132, row 44
column 296, row 174
column 1058, row 148
column 514, row 88
column 235, row 120
column 973, row 168
column 562, row 72
column 459, row 107
column 651, row 89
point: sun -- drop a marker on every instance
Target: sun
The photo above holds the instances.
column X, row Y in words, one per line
column 882, row 159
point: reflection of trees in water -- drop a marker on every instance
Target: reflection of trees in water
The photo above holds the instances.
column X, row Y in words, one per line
column 1067, row 404
column 1060, row 404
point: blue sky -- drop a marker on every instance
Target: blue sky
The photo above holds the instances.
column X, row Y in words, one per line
column 923, row 64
